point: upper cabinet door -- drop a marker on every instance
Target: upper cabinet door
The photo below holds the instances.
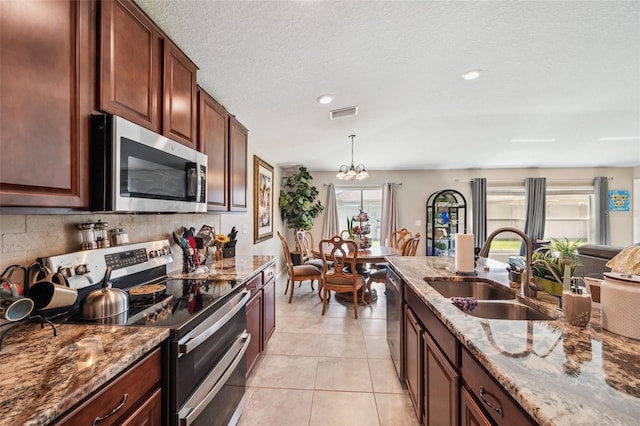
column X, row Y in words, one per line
column 45, row 100
column 213, row 128
column 179, row 95
column 238, row 139
column 130, row 64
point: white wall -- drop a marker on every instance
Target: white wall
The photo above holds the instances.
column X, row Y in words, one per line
column 417, row 185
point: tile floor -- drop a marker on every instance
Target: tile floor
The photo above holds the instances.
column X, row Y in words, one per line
column 332, row 370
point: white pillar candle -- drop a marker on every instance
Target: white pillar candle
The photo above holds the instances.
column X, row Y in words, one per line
column 464, row 253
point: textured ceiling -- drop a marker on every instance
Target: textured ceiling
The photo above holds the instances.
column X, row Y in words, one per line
column 568, row 71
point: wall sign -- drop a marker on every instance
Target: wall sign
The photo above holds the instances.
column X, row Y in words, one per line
column 619, row 200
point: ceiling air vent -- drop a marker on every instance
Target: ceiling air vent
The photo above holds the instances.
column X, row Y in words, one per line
column 343, row 112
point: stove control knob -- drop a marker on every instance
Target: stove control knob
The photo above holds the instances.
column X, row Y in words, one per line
column 67, row 272
column 82, row 269
column 152, row 254
column 167, row 250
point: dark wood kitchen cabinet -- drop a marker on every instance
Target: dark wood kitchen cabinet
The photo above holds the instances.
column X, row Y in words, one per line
column 261, row 312
column 238, row 140
column 179, row 96
column 441, row 384
column 470, row 413
column 213, row 140
column 131, row 60
column 132, row 398
column 144, row 76
column 414, row 360
column 46, row 95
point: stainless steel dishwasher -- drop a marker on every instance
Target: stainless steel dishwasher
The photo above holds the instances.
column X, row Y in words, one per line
column 395, row 324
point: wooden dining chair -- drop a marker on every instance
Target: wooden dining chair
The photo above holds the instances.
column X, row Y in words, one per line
column 400, row 237
column 342, row 276
column 305, row 242
column 410, row 248
column 298, row 272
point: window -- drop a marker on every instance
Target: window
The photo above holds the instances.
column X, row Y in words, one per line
column 569, row 214
column 351, row 200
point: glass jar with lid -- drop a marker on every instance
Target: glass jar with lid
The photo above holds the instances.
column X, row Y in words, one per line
column 87, row 236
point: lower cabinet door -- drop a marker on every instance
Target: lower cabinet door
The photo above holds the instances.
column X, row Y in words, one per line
column 149, row 413
column 254, row 327
column 414, row 360
column 269, row 301
column 471, row 413
column 442, row 381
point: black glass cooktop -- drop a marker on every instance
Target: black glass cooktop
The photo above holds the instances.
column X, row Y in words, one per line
column 181, row 303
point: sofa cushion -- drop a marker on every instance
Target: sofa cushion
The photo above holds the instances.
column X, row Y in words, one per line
column 603, row 252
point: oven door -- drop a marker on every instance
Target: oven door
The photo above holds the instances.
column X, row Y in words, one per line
column 209, row 366
column 218, row 398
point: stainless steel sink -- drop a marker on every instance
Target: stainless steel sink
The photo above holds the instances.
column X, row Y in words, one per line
column 507, row 311
column 478, row 289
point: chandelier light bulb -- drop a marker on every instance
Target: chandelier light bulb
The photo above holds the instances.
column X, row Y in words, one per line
column 352, row 172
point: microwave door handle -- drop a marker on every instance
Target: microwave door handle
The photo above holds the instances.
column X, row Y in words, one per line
column 219, row 318
column 192, row 181
column 188, row 415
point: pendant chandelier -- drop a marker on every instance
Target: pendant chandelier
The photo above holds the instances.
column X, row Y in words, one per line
column 352, row 172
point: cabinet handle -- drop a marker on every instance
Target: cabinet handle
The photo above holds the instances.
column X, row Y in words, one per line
column 496, row 409
column 115, row 410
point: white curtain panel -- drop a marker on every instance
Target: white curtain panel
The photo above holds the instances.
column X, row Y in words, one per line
column 331, row 224
column 389, row 216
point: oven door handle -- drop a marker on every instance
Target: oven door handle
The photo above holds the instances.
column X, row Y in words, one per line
column 213, row 324
column 197, row 403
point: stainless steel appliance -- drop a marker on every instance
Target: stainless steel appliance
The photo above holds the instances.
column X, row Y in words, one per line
column 204, row 360
column 136, row 170
column 395, row 324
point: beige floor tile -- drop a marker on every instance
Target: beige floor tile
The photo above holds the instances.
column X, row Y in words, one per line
column 256, row 371
column 384, row 376
column 300, row 323
column 343, row 374
column 303, row 344
column 286, row 371
column 270, row 407
column 347, row 325
column 343, row 409
column 374, row 326
column 343, row 345
column 395, row 410
column 377, row 347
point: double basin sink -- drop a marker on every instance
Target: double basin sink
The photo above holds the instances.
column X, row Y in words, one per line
column 493, row 302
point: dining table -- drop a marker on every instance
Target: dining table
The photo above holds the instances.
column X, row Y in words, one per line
column 365, row 256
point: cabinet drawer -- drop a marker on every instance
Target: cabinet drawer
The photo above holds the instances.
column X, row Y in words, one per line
column 490, row 395
column 255, row 283
column 269, row 274
column 136, row 383
column 440, row 333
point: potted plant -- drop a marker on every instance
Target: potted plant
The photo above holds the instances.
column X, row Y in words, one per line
column 549, row 263
column 297, row 202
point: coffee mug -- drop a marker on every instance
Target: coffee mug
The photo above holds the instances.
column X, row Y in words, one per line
column 46, row 294
column 13, row 307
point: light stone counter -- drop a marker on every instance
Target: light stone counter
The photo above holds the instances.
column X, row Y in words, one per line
column 42, row 376
column 238, row 268
column 559, row 374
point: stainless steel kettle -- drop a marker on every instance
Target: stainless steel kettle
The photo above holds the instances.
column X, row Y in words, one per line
column 108, row 303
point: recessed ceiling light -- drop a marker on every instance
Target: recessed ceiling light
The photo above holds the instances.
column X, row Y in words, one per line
column 324, row 99
column 620, row 138
column 472, row 74
column 532, row 140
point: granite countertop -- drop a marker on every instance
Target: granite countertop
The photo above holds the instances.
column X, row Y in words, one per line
column 42, row 376
column 560, row 374
column 238, row 268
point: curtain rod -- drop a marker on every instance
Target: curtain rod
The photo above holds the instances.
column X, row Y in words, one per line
column 590, row 180
column 372, row 184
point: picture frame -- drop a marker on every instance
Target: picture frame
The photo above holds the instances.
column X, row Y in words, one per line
column 262, row 200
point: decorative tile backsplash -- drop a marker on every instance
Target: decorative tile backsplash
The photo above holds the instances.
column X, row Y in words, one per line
column 27, row 237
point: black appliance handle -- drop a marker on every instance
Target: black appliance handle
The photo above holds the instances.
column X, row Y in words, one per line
column 213, row 324
column 218, row 377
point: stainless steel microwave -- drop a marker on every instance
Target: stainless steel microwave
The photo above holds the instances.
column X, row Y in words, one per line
column 134, row 169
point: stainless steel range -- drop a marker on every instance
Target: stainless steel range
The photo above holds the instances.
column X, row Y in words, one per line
column 205, row 358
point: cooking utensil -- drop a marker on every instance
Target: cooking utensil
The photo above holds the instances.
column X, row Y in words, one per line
column 106, row 303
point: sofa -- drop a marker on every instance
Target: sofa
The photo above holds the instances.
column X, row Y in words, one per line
column 593, row 259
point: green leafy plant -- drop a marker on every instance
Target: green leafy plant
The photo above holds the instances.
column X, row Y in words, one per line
column 549, row 260
column 297, row 202
column 350, row 227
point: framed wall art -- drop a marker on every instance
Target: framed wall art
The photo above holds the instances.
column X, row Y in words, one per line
column 262, row 200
